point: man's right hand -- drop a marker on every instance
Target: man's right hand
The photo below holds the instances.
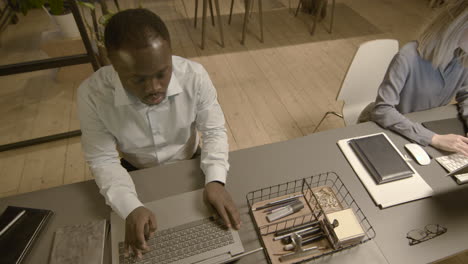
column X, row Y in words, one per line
column 140, row 225
column 451, row 142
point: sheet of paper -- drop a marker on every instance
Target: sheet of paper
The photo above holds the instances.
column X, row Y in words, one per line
column 387, row 194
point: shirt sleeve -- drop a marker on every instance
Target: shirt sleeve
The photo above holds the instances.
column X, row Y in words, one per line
column 100, row 152
column 210, row 123
column 388, row 97
column 462, row 101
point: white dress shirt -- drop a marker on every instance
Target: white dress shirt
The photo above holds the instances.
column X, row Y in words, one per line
column 113, row 120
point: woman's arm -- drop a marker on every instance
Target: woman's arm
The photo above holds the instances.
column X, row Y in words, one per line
column 388, row 97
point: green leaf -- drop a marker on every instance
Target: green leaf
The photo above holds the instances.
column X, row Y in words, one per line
column 24, row 6
column 88, row 5
column 56, row 7
column 105, row 18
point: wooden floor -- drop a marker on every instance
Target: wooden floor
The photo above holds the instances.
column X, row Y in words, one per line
column 270, row 92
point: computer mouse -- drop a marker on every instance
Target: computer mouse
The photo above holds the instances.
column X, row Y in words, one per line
column 418, row 153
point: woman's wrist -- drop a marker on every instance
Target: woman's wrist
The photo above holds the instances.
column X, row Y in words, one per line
column 435, row 140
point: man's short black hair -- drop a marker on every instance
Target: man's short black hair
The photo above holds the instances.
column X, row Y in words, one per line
column 134, row 28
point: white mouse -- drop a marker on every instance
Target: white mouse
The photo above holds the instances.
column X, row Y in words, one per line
column 418, row 153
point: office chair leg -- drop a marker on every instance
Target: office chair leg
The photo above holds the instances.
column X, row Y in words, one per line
column 246, row 20
column 324, row 116
column 298, row 6
column 195, row 16
column 211, row 12
column 7, row 17
column 260, row 13
column 220, row 25
column 317, row 14
column 203, row 24
column 251, row 7
column 230, row 12
column 332, row 16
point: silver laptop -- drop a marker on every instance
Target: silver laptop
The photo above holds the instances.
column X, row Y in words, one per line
column 187, row 232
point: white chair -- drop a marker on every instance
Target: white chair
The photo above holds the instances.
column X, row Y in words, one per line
column 364, row 76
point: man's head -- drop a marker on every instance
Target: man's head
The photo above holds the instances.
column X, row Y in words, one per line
column 139, row 46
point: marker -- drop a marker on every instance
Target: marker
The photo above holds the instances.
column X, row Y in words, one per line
column 288, row 210
column 279, row 206
column 285, row 200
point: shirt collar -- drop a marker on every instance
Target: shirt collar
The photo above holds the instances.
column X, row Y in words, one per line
column 122, row 97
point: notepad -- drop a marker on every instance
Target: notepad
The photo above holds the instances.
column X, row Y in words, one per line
column 380, row 158
column 16, row 242
column 348, row 231
column 79, row 244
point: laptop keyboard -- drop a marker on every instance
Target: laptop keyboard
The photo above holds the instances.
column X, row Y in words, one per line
column 452, row 162
column 173, row 244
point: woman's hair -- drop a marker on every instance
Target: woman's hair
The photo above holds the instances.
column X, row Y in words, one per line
column 134, row 28
column 440, row 38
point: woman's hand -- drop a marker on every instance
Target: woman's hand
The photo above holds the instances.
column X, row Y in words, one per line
column 451, row 142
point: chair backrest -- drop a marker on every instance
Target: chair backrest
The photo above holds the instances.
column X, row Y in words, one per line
column 364, row 76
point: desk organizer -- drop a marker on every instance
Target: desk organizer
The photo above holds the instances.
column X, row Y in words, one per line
column 323, row 195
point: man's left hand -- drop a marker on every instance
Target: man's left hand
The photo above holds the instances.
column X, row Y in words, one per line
column 219, row 198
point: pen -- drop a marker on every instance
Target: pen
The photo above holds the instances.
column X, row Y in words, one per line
column 296, row 228
column 298, row 232
column 275, row 207
column 304, row 252
column 285, row 200
column 12, row 222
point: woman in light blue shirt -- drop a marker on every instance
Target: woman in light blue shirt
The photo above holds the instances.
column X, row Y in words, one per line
column 428, row 73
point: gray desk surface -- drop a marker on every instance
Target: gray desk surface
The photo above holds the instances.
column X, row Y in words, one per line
column 271, row 164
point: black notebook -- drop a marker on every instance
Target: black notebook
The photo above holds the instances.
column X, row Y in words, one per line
column 380, row 158
column 17, row 240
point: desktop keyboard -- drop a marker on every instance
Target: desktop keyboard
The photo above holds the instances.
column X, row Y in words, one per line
column 453, row 162
column 184, row 241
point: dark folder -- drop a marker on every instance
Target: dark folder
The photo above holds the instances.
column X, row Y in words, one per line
column 16, row 242
column 447, row 126
column 380, row 158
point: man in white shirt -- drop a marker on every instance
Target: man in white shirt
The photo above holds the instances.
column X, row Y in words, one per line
column 149, row 105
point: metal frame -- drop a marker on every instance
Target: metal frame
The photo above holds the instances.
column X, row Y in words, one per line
column 248, row 4
column 317, row 14
column 88, row 57
column 326, row 179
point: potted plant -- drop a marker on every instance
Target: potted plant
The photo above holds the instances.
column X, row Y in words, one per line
column 98, row 24
column 63, row 17
column 57, row 9
column 24, row 6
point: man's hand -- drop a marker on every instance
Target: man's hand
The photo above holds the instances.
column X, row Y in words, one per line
column 139, row 226
column 451, row 142
column 219, row 198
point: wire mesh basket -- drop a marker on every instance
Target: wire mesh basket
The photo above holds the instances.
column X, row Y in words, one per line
column 323, row 194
